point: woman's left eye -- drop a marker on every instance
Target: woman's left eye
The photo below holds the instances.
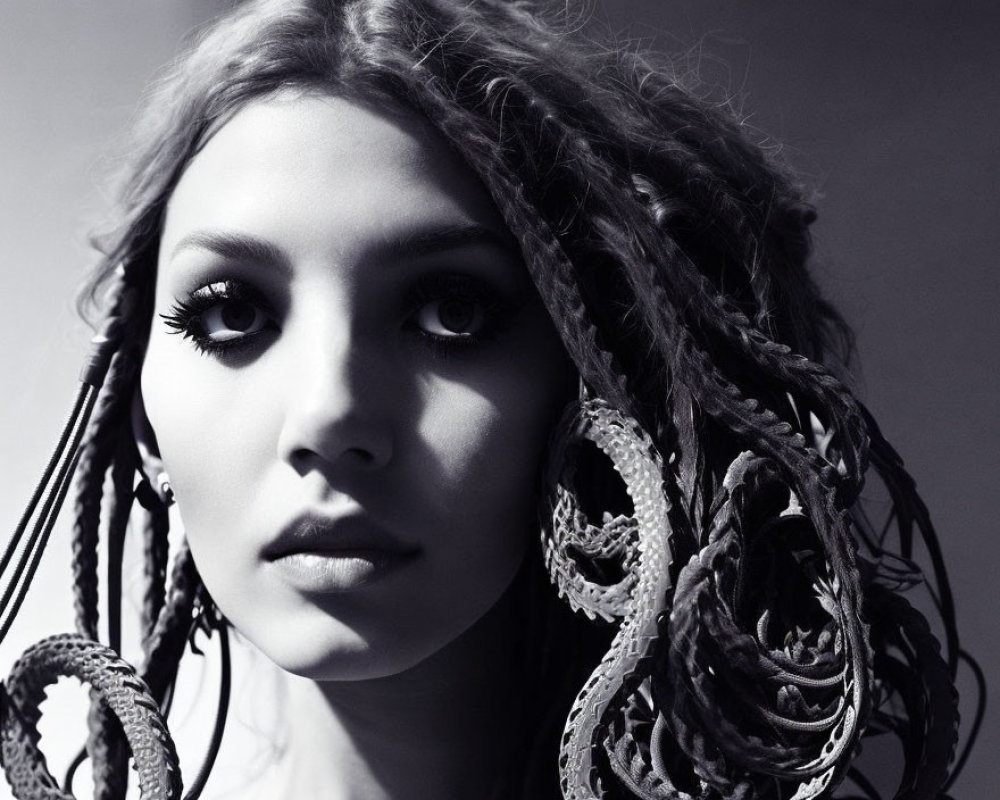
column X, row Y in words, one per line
column 451, row 317
column 452, row 309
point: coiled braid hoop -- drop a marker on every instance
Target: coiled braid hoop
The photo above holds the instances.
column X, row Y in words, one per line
column 639, row 599
column 117, row 685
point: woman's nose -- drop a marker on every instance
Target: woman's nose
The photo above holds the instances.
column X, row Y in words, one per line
column 335, row 417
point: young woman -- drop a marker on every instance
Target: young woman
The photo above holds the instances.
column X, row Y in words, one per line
column 394, row 287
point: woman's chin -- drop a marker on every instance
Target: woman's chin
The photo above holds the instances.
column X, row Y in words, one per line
column 333, row 659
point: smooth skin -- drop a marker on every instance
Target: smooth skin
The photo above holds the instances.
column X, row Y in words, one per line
column 386, row 358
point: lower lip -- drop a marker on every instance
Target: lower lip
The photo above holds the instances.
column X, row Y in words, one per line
column 337, row 572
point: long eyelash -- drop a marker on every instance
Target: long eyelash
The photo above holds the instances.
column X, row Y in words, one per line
column 185, row 315
column 182, row 317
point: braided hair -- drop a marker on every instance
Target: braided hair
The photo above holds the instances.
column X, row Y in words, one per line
column 671, row 252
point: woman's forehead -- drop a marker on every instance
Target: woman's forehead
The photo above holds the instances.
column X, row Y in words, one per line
column 310, row 167
column 325, row 137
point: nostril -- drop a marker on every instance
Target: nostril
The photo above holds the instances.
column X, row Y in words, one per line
column 299, row 459
column 360, row 455
column 304, row 459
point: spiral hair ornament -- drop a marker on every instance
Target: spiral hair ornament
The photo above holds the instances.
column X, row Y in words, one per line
column 576, row 552
column 185, row 612
column 640, row 597
column 117, row 685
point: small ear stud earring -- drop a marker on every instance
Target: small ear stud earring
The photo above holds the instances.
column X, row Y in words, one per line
column 166, row 492
column 155, row 485
column 152, row 497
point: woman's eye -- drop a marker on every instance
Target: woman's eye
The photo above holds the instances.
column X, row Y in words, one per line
column 232, row 319
column 221, row 316
column 458, row 309
column 451, row 317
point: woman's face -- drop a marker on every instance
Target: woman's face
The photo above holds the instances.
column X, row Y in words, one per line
column 351, row 381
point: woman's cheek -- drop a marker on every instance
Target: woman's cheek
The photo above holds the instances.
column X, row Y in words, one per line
column 486, row 451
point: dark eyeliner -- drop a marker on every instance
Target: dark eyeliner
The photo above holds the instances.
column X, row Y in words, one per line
column 185, row 316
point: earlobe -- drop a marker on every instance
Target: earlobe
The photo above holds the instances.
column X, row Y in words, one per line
column 154, row 473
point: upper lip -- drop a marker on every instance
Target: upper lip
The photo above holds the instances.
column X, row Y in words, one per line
column 316, row 532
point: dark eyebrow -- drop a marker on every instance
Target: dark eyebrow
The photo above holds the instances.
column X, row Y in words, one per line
column 409, row 244
column 235, row 247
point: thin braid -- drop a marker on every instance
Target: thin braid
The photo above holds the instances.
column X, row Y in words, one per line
column 96, row 457
column 628, row 136
column 764, row 212
column 119, row 511
column 798, row 373
column 707, row 143
column 812, row 476
column 909, row 511
column 690, row 158
column 107, row 745
column 774, row 358
column 155, row 545
column 165, row 645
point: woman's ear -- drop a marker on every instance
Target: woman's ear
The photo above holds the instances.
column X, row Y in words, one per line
column 150, row 463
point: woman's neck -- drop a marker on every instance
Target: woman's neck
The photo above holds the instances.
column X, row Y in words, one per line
column 448, row 728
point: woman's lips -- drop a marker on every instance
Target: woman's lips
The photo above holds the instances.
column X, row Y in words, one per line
column 337, row 572
column 329, row 555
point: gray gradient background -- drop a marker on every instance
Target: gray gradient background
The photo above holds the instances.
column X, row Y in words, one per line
column 890, row 108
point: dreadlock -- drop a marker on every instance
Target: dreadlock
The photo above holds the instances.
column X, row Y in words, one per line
column 671, row 252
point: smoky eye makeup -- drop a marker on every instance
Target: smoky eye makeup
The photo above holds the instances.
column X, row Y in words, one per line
column 444, row 309
column 221, row 316
column 458, row 311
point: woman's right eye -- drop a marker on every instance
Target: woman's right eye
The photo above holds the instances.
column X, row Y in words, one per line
column 232, row 319
column 220, row 316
